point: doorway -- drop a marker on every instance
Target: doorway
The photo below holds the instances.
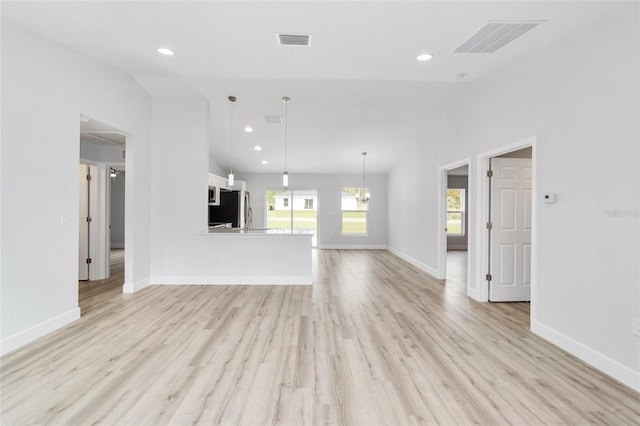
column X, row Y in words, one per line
column 455, row 226
column 455, row 234
column 510, row 187
column 101, row 197
column 293, row 209
column 484, row 274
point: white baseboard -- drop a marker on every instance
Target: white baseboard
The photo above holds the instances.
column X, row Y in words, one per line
column 607, row 365
column 117, row 245
column 476, row 295
column 23, row 337
column 233, row 280
column 136, row 286
column 352, row 246
column 457, row 247
column 423, row 266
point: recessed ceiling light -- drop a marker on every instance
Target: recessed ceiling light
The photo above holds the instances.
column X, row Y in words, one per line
column 248, row 129
column 165, row 51
column 424, row 57
column 257, row 148
column 265, row 162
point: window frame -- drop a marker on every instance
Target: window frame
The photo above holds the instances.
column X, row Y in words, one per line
column 462, row 212
column 360, row 208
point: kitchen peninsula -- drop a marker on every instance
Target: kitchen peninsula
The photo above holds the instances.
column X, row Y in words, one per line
column 239, row 255
column 271, row 256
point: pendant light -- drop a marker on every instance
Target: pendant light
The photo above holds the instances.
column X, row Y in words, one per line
column 232, row 100
column 285, row 175
column 364, row 194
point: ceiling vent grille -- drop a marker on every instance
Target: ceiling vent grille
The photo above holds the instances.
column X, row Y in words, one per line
column 273, row 119
column 293, row 39
column 495, row 35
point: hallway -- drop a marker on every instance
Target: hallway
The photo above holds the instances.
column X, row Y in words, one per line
column 91, row 294
column 457, row 270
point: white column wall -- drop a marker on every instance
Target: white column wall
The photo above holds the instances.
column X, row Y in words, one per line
column 179, row 172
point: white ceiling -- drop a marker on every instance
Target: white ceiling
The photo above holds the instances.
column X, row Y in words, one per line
column 93, row 131
column 358, row 87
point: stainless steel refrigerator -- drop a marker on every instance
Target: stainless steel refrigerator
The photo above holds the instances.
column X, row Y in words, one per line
column 234, row 209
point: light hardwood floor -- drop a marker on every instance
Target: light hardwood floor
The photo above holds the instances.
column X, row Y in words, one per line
column 374, row 341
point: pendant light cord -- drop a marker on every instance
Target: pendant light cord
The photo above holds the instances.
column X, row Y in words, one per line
column 233, row 101
column 286, row 130
column 364, row 171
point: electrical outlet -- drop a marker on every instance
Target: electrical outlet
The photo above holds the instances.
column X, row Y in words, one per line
column 636, row 327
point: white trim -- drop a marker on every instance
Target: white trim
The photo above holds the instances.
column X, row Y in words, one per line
column 422, row 266
column 352, row 247
column 98, row 207
column 233, row 280
column 613, row 368
column 23, row 337
column 136, row 286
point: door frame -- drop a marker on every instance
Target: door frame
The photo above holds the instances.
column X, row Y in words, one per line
column 100, row 203
column 442, row 218
column 107, row 206
column 481, row 286
column 292, row 190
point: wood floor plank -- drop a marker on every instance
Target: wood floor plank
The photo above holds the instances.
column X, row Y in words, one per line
column 374, row 341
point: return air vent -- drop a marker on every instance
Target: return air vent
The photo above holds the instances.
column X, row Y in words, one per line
column 273, row 119
column 495, row 35
column 293, row 39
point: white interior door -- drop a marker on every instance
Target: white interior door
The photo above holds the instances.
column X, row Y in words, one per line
column 83, row 196
column 510, row 233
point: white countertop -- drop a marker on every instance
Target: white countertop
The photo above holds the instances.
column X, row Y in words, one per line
column 260, row 232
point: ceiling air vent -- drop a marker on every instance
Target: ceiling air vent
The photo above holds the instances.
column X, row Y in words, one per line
column 273, row 119
column 495, row 35
column 293, row 39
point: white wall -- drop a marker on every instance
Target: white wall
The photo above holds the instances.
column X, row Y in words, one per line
column 179, row 171
column 584, row 111
column 214, row 167
column 45, row 88
column 413, row 205
column 329, row 188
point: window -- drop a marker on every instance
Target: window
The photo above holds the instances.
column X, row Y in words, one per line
column 354, row 211
column 308, row 203
column 455, row 211
column 293, row 209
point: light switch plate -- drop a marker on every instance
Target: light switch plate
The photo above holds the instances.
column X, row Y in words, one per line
column 65, row 220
